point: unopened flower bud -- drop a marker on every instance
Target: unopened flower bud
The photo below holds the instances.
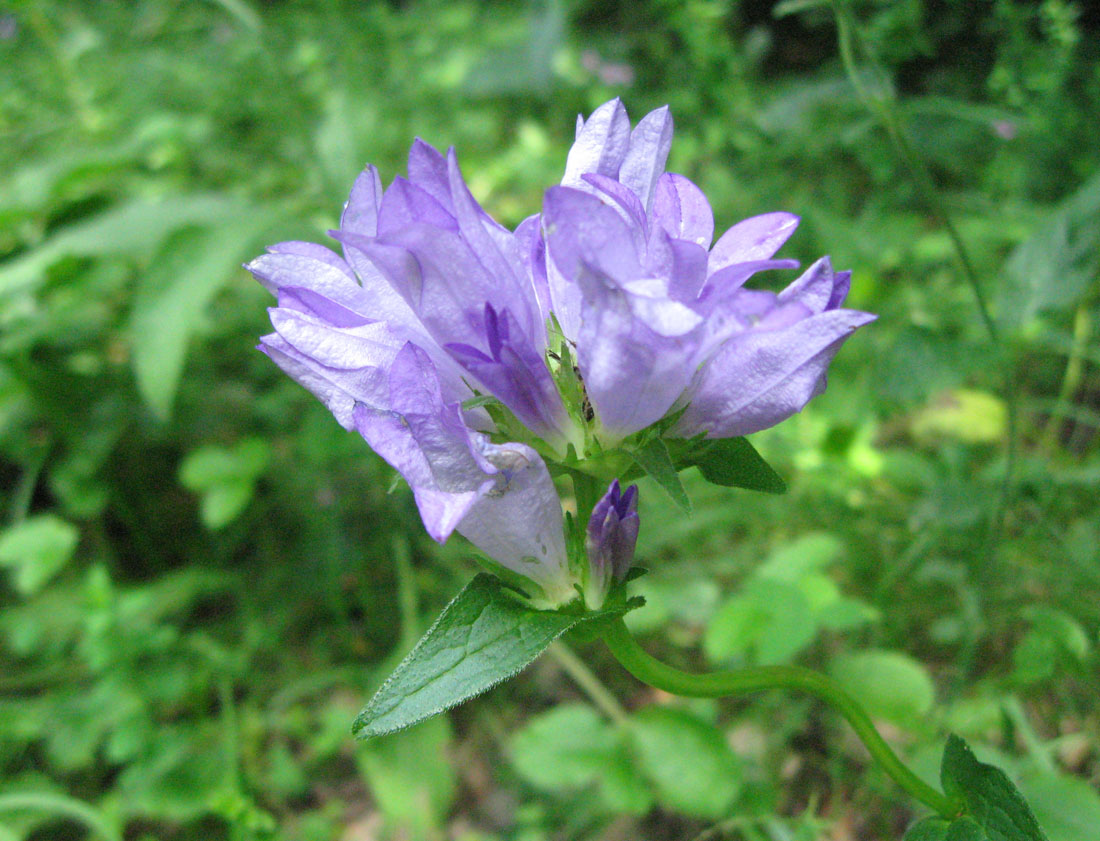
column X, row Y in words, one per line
column 612, row 534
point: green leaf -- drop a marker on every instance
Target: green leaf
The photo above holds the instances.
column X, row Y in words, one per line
column 182, row 280
column 809, row 553
column 563, row 749
column 571, row 747
column 653, row 457
column 690, row 765
column 410, row 779
column 36, row 549
column 734, row 463
column 225, row 478
column 484, row 636
column 988, row 794
column 890, row 685
column 1067, row 808
column 1056, row 264
column 137, row 227
column 769, row 621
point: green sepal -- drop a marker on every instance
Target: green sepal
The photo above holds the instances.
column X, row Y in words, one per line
column 654, row 458
column 483, row 637
column 730, row 462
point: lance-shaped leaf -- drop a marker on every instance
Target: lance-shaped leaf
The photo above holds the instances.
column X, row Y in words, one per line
column 732, row 463
column 483, row 637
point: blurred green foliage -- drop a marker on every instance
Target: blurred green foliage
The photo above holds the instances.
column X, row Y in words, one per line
column 203, row 577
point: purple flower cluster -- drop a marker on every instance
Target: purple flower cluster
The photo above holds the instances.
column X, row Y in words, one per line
column 433, row 303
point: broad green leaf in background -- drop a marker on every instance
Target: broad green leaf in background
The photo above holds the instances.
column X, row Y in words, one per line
column 35, row 550
column 784, row 605
column 988, row 794
column 571, row 747
column 768, row 622
column 137, row 228
column 1056, row 641
column 566, row 747
column 181, row 281
column 692, row 768
column 410, row 778
column 484, row 636
column 889, row 684
column 1067, row 808
column 1056, row 265
column 225, row 478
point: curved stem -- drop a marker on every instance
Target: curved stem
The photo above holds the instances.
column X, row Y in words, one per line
column 719, row 684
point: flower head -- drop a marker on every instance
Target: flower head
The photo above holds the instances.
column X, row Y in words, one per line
column 661, row 318
column 467, row 355
column 429, row 302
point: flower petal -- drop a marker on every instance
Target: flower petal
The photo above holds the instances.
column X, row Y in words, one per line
column 519, row 522
column 680, row 207
column 632, row 374
column 815, row 288
column 601, row 143
column 645, row 158
column 761, row 377
column 756, row 238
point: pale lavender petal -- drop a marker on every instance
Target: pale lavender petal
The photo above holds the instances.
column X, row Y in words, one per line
column 404, row 204
column 306, row 265
column 366, row 346
column 579, row 228
column 427, row 442
column 601, row 143
column 361, row 212
column 756, row 238
column 842, row 282
column 336, row 399
column 688, row 272
column 428, row 170
column 727, row 283
column 626, row 200
column 533, row 256
column 680, row 207
column 632, row 375
column 390, row 437
column 509, row 290
column 645, row 159
column 814, row 288
column 322, row 273
column 519, row 522
column 761, row 377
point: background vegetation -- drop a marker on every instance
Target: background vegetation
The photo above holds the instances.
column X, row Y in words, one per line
column 203, row 577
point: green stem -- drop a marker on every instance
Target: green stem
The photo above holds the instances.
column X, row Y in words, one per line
column 63, row 805
column 719, row 684
column 1071, row 380
column 583, row 676
column 883, row 105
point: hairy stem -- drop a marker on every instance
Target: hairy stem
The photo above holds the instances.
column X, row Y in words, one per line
column 719, row 684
